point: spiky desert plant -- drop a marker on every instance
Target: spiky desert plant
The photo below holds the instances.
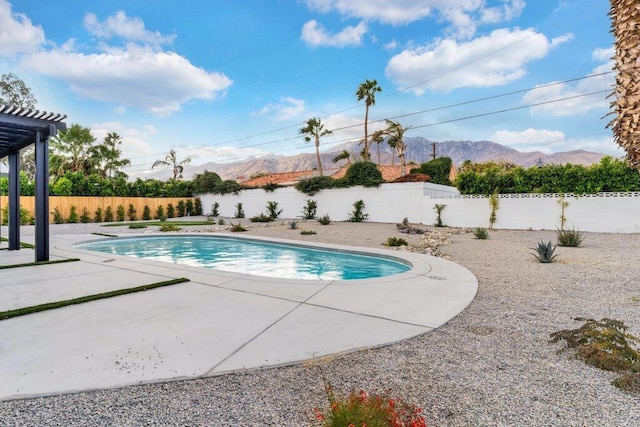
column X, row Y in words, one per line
column 625, row 20
column 544, row 252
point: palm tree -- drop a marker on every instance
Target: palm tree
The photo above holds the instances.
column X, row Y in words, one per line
column 107, row 156
column 378, row 138
column 71, row 150
column 396, row 134
column 344, row 155
column 172, row 160
column 367, row 91
column 315, row 128
column 626, row 105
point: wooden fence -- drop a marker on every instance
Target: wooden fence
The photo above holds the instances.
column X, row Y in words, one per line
column 64, row 204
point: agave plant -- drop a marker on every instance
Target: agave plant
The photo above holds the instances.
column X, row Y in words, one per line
column 544, row 252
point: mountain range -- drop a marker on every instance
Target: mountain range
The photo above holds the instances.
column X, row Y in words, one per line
column 418, row 150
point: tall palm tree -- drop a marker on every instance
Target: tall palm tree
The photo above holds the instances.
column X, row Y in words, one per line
column 625, row 22
column 344, row 155
column 378, row 138
column 315, row 128
column 172, row 160
column 367, row 91
column 108, row 162
column 71, row 150
column 396, row 131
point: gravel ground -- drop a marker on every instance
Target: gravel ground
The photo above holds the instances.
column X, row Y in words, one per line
column 490, row 366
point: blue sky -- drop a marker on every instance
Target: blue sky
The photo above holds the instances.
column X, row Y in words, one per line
column 222, row 80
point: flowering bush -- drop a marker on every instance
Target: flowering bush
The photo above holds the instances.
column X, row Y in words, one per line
column 360, row 409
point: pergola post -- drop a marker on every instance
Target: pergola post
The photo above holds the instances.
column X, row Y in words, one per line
column 42, row 194
column 14, row 200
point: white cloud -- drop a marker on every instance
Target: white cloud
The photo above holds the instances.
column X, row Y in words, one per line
column 392, row 45
column 347, row 128
column 390, row 12
column 288, row 108
column 530, row 139
column 122, row 26
column 577, row 104
column 17, row 33
column 492, row 60
column 138, row 76
column 603, row 55
column 135, row 142
column 314, row 34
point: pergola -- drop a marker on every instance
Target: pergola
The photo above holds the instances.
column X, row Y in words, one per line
column 20, row 128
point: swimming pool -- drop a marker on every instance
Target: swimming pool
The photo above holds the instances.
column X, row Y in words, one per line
column 254, row 257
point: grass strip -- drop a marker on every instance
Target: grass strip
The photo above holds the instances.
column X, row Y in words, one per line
column 31, row 264
column 59, row 304
column 159, row 223
column 22, row 244
column 105, row 234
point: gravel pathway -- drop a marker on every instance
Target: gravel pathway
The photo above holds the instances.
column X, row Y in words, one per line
column 490, row 366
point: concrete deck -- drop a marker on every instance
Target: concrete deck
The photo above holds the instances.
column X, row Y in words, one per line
column 219, row 322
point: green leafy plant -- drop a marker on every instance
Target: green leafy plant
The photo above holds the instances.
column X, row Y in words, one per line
column 494, row 204
column 239, row 211
column 181, row 208
column 358, row 215
column 97, row 217
column 324, row 220
column 312, row 185
column 375, row 410
column 404, row 224
column 221, row 221
column 307, row 232
column 396, row 241
column 293, row 225
column 569, row 238
column 146, row 213
column 131, row 212
column 563, row 205
column 57, row 216
column 261, row 218
column 108, row 214
column 310, row 209
column 120, row 213
column 481, row 233
column 439, row 208
column 171, row 211
column 366, row 174
column 270, row 187
column 160, row 212
column 197, row 206
column 607, row 345
column 73, row 215
column 237, row 227
column 139, row 225
column 189, row 208
column 167, row 226
column 214, row 209
column 272, row 208
column 544, row 252
column 84, row 216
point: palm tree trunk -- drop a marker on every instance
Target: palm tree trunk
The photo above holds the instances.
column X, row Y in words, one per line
column 378, row 153
column 366, row 139
column 318, row 154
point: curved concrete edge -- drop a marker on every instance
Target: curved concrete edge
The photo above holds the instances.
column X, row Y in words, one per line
column 218, row 323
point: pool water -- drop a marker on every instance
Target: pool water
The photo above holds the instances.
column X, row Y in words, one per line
column 253, row 257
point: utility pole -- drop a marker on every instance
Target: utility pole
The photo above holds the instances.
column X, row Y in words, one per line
column 433, row 155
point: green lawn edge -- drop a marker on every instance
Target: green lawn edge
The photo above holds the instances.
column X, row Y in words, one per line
column 159, row 223
column 22, row 244
column 31, row 264
column 59, row 304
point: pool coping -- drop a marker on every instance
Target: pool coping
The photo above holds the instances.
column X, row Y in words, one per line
column 218, row 323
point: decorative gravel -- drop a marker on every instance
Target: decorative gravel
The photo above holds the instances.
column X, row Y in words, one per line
column 490, row 366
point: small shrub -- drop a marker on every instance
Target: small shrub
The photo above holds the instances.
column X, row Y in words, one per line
column 494, row 204
column 108, row 214
column 160, row 212
column 358, row 215
column 569, row 238
column 237, row 227
column 481, row 233
column 189, row 209
column 120, row 213
column 629, row 383
column 167, row 226
column 84, row 216
column 146, row 213
column 171, row 211
column 324, row 220
column 396, row 241
column 163, row 218
column 310, row 209
column 57, row 216
column 73, row 215
column 261, row 218
column 136, row 226
column 272, row 208
column 307, row 232
column 239, row 211
column 439, row 208
column 98, row 215
column 544, row 252
column 197, row 206
column 293, row 225
column 404, row 224
column 311, row 186
column 366, row 174
column 270, row 187
column 221, row 221
column 131, row 212
column 181, row 208
column 214, row 209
